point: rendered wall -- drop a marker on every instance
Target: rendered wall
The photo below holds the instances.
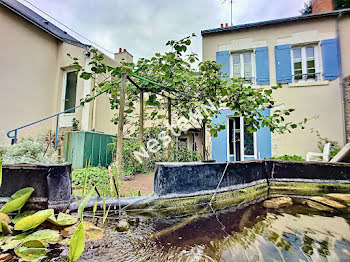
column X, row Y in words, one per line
column 319, row 101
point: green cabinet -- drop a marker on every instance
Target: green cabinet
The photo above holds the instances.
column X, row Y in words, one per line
column 82, row 147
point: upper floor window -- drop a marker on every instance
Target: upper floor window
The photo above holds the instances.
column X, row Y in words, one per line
column 242, row 65
column 305, row 64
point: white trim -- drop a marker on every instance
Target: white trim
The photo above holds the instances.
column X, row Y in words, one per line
column 318, row 71
column 65, row 120
column 242, row 154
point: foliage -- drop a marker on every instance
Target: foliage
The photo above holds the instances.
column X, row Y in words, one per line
column 307, row 10
column 17, row 200
column 77, row 243
column 95, row 175
column 288, row 158
column 341, row 4
column 75, row 124
column 31, row 245
column 187, row 88
column 322, row 141
column 30, row 150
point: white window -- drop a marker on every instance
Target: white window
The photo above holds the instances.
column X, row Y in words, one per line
column 305, row 64
column 242, row 66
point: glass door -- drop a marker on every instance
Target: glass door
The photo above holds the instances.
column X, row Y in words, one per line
column 241, row 144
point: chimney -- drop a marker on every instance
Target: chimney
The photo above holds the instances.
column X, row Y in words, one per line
column 123, row 56
column 222, row 25
column 322, row 6
column 226, row 25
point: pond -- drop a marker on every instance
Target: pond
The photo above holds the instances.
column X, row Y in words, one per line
column 297, row 232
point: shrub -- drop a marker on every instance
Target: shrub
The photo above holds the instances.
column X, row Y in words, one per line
column 287, row 158
column 29, row 151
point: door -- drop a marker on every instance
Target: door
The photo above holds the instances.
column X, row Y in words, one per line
column 69, row 96
column 241, row 144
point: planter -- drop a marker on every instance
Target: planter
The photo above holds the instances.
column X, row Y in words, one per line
column 52, row 184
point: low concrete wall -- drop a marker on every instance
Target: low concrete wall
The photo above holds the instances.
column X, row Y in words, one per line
column 173, row 179
column 52, row 184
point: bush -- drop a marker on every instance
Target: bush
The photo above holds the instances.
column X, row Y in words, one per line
column 287, row 158
column 94, row 174
column 30, row 151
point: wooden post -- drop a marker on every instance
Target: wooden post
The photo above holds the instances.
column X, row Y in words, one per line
column 141, row 117
column 203, row 140
column 121, row 125
column 169, row 122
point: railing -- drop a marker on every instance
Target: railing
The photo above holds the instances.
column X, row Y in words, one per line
column 305, row 77
column 14, row 136
column 15, row 131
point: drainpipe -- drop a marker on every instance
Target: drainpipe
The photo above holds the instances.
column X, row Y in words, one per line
column 341, row 78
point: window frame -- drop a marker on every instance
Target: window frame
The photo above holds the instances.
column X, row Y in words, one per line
column 242, row 142
column 252, row 59
column 318, row 72
column 64, row 90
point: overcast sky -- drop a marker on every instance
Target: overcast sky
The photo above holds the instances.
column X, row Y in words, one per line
column 144, row 26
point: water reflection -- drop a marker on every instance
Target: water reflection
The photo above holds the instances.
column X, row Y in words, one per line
column 253, row 233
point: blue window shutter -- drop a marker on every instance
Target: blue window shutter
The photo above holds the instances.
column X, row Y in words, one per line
column 223, row 58
column 330, row 59
column 262, row 66
column 219, row 143
column 283, row 64
column 263, row 139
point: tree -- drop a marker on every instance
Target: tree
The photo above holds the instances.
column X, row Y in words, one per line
column 341, row 4
column 307, row 10
column 176, row 90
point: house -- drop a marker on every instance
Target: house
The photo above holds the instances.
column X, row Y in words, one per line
column 309, row 55
column 38, row 79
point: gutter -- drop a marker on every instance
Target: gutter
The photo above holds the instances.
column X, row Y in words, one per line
column 341, row 77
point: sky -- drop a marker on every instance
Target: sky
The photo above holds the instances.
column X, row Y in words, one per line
column 144, row 26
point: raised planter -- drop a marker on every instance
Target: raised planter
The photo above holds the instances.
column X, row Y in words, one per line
column 52, row 184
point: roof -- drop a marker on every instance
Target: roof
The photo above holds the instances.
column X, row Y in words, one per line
column 41, row 22
column 275, row 21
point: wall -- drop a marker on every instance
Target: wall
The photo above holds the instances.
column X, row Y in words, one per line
column 28, row 62
column 325, row 96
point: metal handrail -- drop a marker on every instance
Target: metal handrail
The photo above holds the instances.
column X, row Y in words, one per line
column 14, row 136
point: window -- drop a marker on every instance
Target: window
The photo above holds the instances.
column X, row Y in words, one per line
column 304, row 63
column 242, row 66
column 241, row 143
column 70, row 90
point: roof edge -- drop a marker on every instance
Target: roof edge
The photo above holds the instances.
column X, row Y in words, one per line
column 274, row 21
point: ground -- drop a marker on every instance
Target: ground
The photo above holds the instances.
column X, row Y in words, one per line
column 142, row 182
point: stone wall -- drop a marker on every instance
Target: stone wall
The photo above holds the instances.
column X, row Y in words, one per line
column 347, row 106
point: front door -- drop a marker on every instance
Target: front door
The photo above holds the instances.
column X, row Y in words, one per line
column 241, row 144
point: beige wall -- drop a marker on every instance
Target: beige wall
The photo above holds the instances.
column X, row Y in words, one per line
column 322, row 100
column 28, row 63
column 32, row 64
column 344, row 26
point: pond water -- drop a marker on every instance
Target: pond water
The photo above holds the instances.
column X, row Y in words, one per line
column 250, row 233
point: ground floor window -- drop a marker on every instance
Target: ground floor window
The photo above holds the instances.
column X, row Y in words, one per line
column 241, row 143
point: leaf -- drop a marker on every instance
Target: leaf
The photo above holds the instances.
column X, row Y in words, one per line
column 63, row 220
column 44, row 235
column 5, row 218
column 77, row 243
column 12, row 242
column 94, row 235
column 33, row 221
column 33, row 250
column 17, row 200
column 95, row 208
column 22, row 215
column 5, row 228
column 83, row 204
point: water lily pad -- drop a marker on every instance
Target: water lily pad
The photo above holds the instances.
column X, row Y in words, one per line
column 22, row 215
column 94, row 235
column 33, row 221
column 68, row 231
column 63, row 220
column 17, row 200
column 33, row 250
column 5, row 218
column 12, row 242
column 44, row 235
column 5, row 228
